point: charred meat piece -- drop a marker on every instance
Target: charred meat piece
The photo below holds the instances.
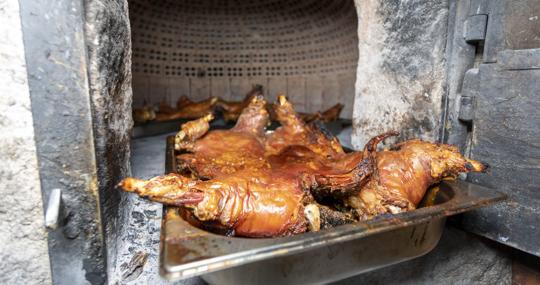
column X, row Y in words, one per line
column 404, row 174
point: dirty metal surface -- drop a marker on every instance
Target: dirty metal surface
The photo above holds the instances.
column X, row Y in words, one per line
column 507, row 136
column 187, row 251
column 502, row 127
column 56, row 60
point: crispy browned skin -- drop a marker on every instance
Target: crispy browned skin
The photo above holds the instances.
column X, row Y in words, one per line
column 257, row 204
column 403, row 175
column 189, row 110
column 222, row 152
column 232, row 110
column 330, row 115
column 294, row 131
column 337, row 176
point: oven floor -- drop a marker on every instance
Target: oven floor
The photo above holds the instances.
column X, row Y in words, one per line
column 140, row 227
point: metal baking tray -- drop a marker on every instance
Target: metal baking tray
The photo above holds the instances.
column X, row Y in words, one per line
column 314, row 257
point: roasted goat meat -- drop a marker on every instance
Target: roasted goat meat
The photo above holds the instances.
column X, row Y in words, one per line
column 208, row 154
column 246, row 146
column 330, row 115
column 403, row 175
column 231, row 110
column 254, row 202
column 294, row 131
column 189, row 110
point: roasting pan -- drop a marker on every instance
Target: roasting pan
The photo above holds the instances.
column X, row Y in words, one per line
column 315, row 257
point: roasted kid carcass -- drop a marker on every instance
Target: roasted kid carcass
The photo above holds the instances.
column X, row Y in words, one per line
column 329, row 115
column 206, row 155
column 403, row 175
column 188, row 110
column 246, row 182
column 231, row 110
column 256, row 202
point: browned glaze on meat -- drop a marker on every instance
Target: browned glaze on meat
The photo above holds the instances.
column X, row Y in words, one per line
column 330, row 115
column 231, row 110
column 258, row 202
column 218, row 152
column 337, row 176
column 264, row 185
column 403, row 175
column 294, row 131
column 165, row 108
column 182, row 102
column 254, row 204
column 189, row 110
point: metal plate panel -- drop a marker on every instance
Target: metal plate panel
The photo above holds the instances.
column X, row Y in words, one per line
column 507, row 136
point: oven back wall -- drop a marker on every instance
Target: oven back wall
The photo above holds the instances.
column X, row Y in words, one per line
column 305, row 49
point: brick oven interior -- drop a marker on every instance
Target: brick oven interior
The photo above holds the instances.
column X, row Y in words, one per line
column 305, row 49
column 82, row 67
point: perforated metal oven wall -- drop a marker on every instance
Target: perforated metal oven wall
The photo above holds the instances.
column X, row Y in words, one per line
column 307, row 49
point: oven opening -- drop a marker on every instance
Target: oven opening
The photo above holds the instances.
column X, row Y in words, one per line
column 198, row 50
column 194, row 51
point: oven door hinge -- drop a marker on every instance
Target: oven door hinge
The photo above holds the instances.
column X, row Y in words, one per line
column 469, row 90
column 475, row 27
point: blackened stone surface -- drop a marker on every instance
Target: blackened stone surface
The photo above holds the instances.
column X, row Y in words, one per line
column 401, row 68
column 460, row 258
column 108, row 43
column 140, row 233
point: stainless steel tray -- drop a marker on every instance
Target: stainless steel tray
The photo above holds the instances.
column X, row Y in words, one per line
column 316, row 257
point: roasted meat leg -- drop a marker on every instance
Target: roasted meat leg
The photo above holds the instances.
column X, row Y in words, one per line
column 404, row 174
